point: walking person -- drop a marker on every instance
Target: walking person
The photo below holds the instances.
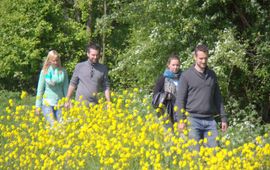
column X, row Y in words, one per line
column 52, row 86
column 88, row 77
column 199, row 95
column 167, row 84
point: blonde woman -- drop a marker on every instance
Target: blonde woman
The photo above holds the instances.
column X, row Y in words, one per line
column 52, row 86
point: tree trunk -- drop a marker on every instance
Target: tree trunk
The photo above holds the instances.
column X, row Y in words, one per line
column 103, row 59
column 266, row 108
column 89, row 21
column 241, row 15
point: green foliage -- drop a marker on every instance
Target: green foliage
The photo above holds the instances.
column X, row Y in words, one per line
column 228, row 59
column 244, row 124
column 153, row 37
column 29, row 29
column 159, row 28
column 137, row 37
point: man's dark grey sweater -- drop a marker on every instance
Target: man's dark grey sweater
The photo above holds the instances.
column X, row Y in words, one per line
column 89, row 78
column 199, row 94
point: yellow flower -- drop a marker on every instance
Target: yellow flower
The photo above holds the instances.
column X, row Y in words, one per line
column 227, row 143
column 112, row 94
column 44, row 96
column 175, row 108
column 259, row 139
column 81, row 163
column 135, row 90
column 175, row 162
column 81, row 97
column 10, row 101
column 23, row 94
column 46, row 103
column 144, row 101
column 125, row 92
column 201, row 141
column 158, row 110
column 182, row 164
column 209, row 133
column 266, row 135
column 8, row 110
column 230, row 153
column 205, row 140
column 160, row 105
column 185, row 132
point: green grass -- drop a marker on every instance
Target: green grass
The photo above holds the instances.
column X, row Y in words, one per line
column 15, row 96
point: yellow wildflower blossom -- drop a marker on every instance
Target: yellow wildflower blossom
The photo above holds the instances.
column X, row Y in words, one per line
column 23, row 94
column 209, row 133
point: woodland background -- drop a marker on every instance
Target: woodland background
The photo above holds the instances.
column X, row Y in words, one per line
column 137, row 36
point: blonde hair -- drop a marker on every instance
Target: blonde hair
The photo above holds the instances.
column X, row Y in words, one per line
column 51, row 54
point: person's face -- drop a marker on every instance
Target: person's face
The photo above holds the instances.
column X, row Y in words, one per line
column 93, row 55
column 54, row 62
column 174, row 65
column 201, row 60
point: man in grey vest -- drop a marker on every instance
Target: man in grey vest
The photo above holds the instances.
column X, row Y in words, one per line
column 198, row 94
column 88, row 77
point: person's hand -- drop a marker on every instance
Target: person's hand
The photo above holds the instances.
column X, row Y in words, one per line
column 38, row 111
column 224, row 126
column 67, row 104
column 108, row 106
column 181, row 127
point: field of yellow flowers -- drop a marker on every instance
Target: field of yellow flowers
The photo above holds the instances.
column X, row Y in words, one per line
column 124, row 134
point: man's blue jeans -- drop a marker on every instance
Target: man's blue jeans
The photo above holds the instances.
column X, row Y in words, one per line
column 51, row 114
column 199, row 128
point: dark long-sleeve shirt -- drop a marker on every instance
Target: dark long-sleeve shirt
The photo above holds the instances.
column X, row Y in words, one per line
column 169, row 103
column 159, row 87
column 199, row 94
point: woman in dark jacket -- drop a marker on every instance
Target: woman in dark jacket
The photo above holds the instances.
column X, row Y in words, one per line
column 167, row 84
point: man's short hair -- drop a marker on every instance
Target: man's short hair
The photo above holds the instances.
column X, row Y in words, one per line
column 203, row 48
column 94, row 46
